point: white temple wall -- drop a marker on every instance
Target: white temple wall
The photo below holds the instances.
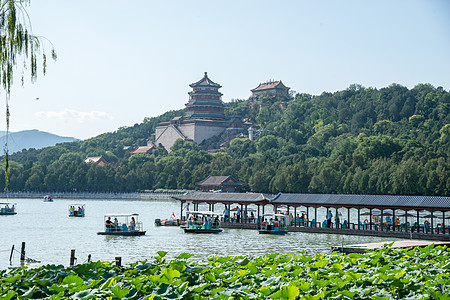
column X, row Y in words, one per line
column 166, row 136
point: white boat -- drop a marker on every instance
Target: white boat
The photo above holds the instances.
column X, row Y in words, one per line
column 273, row 224
column 122, row 224
column 7, row 208
column 202, row 222
column 77, row 210
column 171, row 221
column 48, row 198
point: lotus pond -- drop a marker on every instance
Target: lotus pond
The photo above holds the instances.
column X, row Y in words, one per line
column 421, row 273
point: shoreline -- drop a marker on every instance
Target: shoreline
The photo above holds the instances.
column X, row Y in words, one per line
column 133, row 196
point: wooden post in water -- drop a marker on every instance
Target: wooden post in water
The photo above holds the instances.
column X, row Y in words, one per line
column 11, row 255
column 118, row 261
column 72, row 257
column 22, row 252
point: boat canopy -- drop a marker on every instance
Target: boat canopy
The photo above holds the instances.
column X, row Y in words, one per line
column 7, row 203
column 121, row 215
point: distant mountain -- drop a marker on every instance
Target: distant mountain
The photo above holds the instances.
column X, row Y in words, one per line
column 25, row 139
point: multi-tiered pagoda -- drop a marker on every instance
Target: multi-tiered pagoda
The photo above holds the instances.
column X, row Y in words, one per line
column 205, row 101
column 204, row 117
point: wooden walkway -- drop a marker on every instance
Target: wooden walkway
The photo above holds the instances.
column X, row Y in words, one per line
column 361, row 248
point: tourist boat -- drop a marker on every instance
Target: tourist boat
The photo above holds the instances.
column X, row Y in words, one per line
column 273, row 224
column 203, row 222
column 171, row 221
column 122, row 224
column 7, row 209
column 48, row 198
column 77, row 210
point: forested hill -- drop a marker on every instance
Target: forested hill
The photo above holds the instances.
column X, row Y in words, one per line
column 360, row 140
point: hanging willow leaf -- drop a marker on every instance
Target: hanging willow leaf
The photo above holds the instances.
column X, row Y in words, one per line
column 17, row 42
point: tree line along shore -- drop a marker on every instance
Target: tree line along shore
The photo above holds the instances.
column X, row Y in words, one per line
column 392, row 140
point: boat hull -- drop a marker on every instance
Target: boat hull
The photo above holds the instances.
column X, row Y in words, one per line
column 159, row 222
column 7, row 213
column 193, row 230
column 122, row 233
column 272, row 232
column 76, row 216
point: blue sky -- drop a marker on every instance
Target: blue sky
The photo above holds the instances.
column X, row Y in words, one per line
column 121, row 61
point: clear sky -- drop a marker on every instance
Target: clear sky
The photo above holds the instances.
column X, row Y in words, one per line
column 121, row 61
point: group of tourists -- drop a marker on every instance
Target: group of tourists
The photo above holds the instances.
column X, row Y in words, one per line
column 76, row 211
column 116, row 226
column 205, row 222
column 238, row 216
column 302, row 220
column 7, row 209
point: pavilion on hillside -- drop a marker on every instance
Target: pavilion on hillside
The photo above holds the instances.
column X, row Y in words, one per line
column 270, row 88
column 98, row 160
column 144, row 149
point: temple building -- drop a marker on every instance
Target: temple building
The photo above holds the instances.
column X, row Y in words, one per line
column 204, row 117
column 98, row 160
column 220, row 183
column 270, row 88
column 144, row 149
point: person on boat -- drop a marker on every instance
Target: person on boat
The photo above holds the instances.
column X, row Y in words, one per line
column 132, row 223
column 426, row 225
column 191, row 222
column 109, row 223
column 116, row 224
column 71, row 210
column 252, row 217
column 216, row 222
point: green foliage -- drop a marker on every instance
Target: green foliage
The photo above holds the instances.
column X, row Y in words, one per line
column 420, row 273
column 360, row 140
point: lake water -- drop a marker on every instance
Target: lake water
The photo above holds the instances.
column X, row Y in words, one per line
column 50, row 234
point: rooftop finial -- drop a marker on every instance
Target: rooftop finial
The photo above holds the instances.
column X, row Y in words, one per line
column 206, row 73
